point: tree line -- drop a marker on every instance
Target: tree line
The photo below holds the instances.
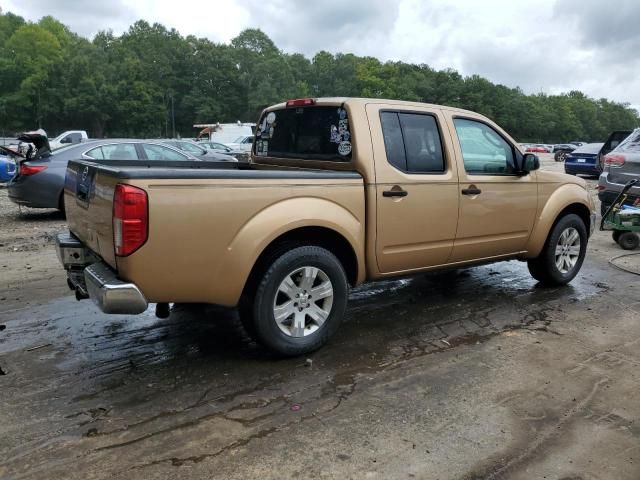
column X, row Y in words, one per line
column 139, row 83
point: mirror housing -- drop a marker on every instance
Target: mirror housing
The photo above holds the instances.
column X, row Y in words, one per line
column 530, row 162
column 527, row 163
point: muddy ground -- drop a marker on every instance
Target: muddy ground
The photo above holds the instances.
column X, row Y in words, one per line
column 474, row 374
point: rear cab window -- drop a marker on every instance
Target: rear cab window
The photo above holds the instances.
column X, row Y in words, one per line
column 315, row 132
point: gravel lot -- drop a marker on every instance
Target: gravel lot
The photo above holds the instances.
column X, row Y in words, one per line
column 27, row 256
column 474, row 374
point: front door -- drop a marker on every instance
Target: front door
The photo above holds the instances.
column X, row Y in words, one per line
column 416, row 187
column 497, row 206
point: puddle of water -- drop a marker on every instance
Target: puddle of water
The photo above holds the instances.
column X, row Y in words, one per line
column 410, row 315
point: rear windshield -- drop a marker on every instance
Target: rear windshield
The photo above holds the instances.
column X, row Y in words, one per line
column 589, row 148
column 307, row 133
column 631, row 143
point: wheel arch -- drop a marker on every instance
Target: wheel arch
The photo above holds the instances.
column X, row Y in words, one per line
column 298, row 221
column 323, row 237
column 570, row 199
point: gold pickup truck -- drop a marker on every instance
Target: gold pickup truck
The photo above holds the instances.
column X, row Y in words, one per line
column 339, row 191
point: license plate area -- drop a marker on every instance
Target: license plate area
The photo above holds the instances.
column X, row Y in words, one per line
column 581, row 160
column 76, row 257
column 72, row 253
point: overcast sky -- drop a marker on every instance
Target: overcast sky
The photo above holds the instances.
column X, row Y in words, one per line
column 542, row 46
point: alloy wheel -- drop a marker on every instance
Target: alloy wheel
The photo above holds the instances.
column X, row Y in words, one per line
column 303, row 301
column 567, row 250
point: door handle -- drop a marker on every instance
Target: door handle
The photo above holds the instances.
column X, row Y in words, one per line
column 395, row 193
column 472, row 190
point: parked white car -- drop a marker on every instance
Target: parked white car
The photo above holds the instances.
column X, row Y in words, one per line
column 69, row 137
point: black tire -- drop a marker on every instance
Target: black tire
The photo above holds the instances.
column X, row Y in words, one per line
column 560, row 156
column 629, row 240
column 544, row 268
column 257, row 308
column 616, row 235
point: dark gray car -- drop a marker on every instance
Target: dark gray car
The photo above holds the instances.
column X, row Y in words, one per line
column 39, row 181
column 621, row 165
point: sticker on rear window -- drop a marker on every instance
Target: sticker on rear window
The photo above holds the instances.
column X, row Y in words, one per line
column 344, row 148
column 267, row 127
column 335, row 136
column 341, row 134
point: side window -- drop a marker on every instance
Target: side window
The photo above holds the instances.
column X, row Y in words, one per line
column 158, row 152
column 120, row 151
column 95, row 153
column 192, row 149
column 76, row 137
column 393, row 143
column 412, row 142
column 484, row 151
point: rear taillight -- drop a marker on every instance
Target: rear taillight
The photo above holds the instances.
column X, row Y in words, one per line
column 301, row 102
column 601, row 188
column 26, row 170
column 614, row 160
column 130, row 219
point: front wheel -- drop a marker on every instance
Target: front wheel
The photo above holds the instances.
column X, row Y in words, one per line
column 563, row 253
column 299, row 301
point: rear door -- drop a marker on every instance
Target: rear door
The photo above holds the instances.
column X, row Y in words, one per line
column 416, row 187
column 497, row 206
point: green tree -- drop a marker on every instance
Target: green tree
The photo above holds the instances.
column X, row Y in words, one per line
column 125, row 85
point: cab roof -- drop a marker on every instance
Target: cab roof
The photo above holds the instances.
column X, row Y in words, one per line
column 330, row 101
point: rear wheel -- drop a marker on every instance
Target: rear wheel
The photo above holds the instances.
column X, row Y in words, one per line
column 562, row 256
column 560, row 156
column 629, row 240
column 298, row 303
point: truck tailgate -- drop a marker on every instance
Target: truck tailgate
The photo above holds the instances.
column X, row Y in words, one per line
column 88, row 200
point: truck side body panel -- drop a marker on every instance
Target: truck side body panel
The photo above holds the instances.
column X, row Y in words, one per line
column 208, row 227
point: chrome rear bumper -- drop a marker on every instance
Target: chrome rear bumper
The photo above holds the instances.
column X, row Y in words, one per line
column 111, row 294
column 90, row 277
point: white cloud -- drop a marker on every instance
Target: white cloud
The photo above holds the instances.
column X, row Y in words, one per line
column 543, row 46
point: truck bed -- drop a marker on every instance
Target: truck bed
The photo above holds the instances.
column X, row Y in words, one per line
column 198, row 212
column 146, row 169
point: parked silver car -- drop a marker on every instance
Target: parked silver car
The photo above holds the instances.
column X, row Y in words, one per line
column 39, row 180
column 621, row 165
column 200, row 152
column 218, row 147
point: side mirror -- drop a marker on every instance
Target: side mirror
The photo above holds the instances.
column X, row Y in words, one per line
column 530, row 162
